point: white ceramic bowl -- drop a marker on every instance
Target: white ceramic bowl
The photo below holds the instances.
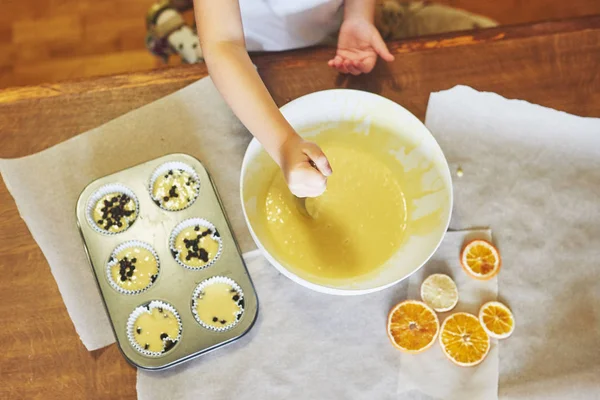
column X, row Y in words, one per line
column 346, row 105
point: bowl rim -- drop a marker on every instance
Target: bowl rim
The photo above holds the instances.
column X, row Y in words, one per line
column 328, row 289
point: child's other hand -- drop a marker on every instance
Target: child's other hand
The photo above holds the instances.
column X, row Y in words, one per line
column 302, row 178
column 359, row 44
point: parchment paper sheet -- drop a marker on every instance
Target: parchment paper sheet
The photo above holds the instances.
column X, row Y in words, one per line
column 307, row 345
column 46, row 185
column 533, row 175
column 530, row 173
column 431, row 373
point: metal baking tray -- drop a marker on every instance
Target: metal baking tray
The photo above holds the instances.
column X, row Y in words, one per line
column 175, row 284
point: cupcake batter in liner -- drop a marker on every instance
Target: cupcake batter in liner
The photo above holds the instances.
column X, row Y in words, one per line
column 218, row 303
column 133, row 267
column 112, row 209
column 154, row 328
column 174, row 186
column 195, row 244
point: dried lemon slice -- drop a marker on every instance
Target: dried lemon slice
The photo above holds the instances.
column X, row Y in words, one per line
column 463, row 339
column 497, row 319
column 480, row 259
column 412, row 326
column 439, row 292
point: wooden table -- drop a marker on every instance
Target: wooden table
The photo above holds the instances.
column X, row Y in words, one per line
column 555, row 64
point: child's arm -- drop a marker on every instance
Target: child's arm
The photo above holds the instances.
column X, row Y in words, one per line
column 222, row 42
column 359, row 42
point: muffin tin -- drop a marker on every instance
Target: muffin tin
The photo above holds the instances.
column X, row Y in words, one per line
column 175, row 285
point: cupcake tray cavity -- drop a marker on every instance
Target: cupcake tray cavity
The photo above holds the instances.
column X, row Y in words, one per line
column 175, row 284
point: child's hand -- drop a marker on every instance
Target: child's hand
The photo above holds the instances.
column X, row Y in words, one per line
column 302, row 178
column 359, row 43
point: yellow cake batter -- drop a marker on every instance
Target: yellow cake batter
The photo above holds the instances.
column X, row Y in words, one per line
column 197, row 246
column 361, row 220
column 114, row 212
column 219, row 305
column 175, row 190
column 135, row 268
column 156, row 330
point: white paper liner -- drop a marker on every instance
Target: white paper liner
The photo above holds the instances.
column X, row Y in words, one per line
column 112, row 261
column 145, row 308
column 164, row 168
column 201, row 286
column 186, row 224
column 103, row 191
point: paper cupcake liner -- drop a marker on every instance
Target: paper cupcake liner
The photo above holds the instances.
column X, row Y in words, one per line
column 164, row 168
column 201, row 286
column 113, row 260
column 186, row 224
column 144, row 309
column 103, row 191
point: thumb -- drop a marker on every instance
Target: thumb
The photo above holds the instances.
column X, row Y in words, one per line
column 316, row 155
column 306, row 181
column 381, row 48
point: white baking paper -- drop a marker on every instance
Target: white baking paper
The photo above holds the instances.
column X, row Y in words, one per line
column 431, row 373
column 46, row 185
column 533, row 175
column 304, row 345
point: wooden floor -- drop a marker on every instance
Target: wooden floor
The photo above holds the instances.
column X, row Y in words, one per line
column 50, row 40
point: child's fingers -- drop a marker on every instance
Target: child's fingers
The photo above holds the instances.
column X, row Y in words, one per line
column 332, row 62
column 359, row 65
column 348, row 64
column 319, row 158
column 339, row 64
column 343, row 69
column 381, row 48
column 354, row 71
column 314, row 183
column 306, row 181
column 306, row 192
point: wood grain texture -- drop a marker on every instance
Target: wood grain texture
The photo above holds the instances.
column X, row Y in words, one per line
column 52, row 40
column 555, row 64
column 526, row 11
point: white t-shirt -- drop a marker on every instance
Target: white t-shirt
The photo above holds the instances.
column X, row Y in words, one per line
column 274, row 25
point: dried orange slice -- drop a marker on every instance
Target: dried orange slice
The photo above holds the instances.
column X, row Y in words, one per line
column 439, row 292
column 412, row 326
column 497, row 319
column 463, row 339
column 480, row 259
